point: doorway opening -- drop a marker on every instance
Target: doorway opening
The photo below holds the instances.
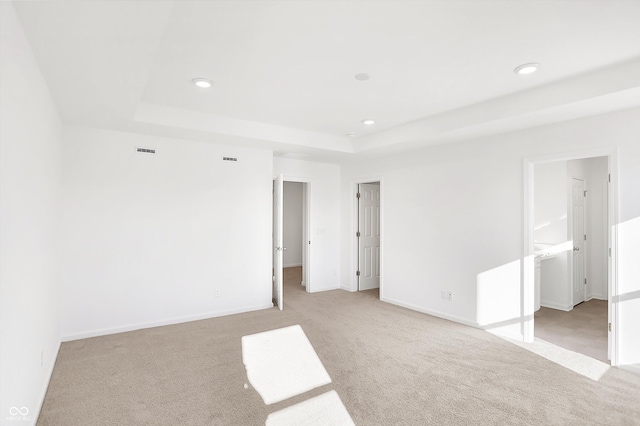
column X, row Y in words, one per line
column 367, row 259
column 291, row 237
column 294, row 238
column 569, row 213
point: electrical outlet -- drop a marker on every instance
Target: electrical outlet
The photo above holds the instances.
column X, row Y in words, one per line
column 216, row 293
column 41, row 358
column 449, row 296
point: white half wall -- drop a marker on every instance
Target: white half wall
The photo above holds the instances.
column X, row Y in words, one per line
column 324, row 189
column 453, row 220
column 30, row 135
column 154, row 239
column 292, row 224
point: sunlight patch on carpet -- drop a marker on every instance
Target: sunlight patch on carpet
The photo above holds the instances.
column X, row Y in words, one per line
column 574, row 361
column 322, row 410
column 282, row 363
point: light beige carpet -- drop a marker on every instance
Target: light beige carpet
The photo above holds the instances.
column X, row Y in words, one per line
column 389, row 366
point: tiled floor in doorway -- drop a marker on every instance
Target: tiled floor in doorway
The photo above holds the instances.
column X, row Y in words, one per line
column 583, row 329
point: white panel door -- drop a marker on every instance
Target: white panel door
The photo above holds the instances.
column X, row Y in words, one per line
column 278, row 296
column 369, row 240
column 579, row 283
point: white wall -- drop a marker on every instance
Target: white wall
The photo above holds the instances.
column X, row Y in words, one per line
column 292, row 224
column 550, row 232
column 550, row 223
column 324, row 190
column 164, row 238
column 30, row 133
column 453, row 219
column 448, row 216
column 627, row 231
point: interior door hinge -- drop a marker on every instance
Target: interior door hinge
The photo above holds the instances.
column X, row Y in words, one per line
column 585, row 193
column 609, row 251
column 357, row 195
column 609, row 177
column 357, row 273
column 358, row 234
column 585, row 237
column 609, row 326
column 585, row 281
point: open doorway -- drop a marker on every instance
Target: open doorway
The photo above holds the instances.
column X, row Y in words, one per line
column 570, row 229
column 294, row 239
column 291, row 237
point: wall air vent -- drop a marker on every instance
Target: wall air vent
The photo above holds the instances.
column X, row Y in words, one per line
column 233, row 159
column 145, row 150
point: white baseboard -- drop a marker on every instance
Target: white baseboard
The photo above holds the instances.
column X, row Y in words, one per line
column 554, row 305
column 464, row 321
column 292, row 265
column 442, row 315
column 43, row 392
column 597, row 297
column 318, row 290
column 159, row 323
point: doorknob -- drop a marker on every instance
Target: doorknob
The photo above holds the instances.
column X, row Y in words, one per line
column 576, row 249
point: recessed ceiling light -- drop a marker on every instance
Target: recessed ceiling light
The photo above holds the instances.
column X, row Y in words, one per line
column 526, row 68
column 362, row 76
column 202, row 82
column 368, row 121
column 351, row 135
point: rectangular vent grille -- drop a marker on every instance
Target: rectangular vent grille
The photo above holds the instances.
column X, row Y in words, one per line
column 146, row 150
column 235, row 159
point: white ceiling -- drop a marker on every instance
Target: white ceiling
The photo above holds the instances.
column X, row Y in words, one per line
column 283, row 71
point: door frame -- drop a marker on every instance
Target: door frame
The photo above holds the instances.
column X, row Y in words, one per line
column 353, row 284
column 277, row 288
column 528, row 258
column 306, row 227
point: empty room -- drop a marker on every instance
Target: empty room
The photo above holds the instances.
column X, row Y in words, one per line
column 319, row 212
